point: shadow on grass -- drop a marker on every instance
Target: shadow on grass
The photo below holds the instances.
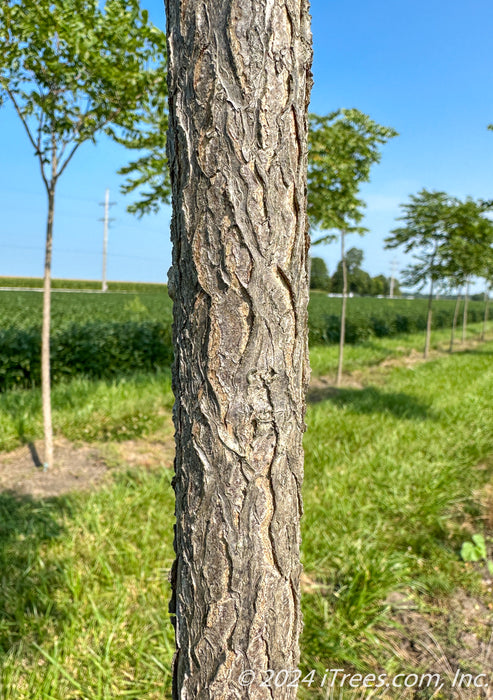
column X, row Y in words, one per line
column 372, row 400
column 471, row 351
column 28, row 581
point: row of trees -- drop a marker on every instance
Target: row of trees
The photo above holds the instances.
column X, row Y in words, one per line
column 74, row 72
column 360, row 282
column 239, row 85
column 452, row 242
column 238, row 162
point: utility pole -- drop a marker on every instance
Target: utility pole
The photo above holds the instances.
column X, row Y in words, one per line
column 106, row 220
column 392, row 278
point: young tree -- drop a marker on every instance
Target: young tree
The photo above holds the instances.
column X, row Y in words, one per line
column 358, row 281
column 342, row 148
column 239, row 79
column 425, row 230
column 487, row 275
column 486, row 308
column 468, row 251
column 73, row 71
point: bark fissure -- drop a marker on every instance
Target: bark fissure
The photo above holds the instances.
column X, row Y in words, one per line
column 239, row 81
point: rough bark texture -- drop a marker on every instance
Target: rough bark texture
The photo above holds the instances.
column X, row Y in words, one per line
column 239, row 81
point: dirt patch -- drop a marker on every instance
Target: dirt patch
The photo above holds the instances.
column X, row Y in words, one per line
column 410, row 360
column 77, row 467
column 454, row 641
column 323, row 387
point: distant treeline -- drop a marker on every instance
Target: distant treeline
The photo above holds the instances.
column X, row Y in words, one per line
column 360, row 282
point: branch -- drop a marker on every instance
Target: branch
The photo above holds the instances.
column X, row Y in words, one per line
column 30, row 136
column 100, row 126
column 19, row 113
column 69, row 157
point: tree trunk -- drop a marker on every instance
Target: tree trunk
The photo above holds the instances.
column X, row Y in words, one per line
column 428, row 321
column 342, row 335
column 464, row 318
column 486, row 309
column 239, row 80
column 454, row 323
column 45, row 336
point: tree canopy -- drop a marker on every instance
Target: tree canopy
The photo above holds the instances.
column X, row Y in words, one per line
column 425, row 229
column 73, row 70
column 342, row 147
column 468, row 250
column 450, row 239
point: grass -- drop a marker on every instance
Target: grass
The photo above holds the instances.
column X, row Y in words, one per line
column 84, row 594
column 391, row 477
column 390, row 473
column 323, row 359
column 128, row 407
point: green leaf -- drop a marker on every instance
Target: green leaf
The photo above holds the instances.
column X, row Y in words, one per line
column 469, row 552
column 475, row 550
column 480, row 545
column 75, row 70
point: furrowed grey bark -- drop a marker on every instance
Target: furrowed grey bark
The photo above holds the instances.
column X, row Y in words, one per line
column 239, row 81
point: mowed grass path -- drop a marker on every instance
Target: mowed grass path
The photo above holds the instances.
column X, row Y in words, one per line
column 391, row 473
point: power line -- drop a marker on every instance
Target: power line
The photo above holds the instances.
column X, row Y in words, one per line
column 72, row 251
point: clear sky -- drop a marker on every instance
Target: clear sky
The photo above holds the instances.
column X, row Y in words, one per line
column 423, row 67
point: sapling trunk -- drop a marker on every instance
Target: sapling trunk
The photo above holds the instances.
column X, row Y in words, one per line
column 464, row 317
column 454, row 322
column 45, row 336
column 342, row 334
column 428, row 321
column 485, row 318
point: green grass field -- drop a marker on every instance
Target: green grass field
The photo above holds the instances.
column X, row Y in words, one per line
column 367, row 317
column 37, row 283
column 398, row 462
column 24, row 309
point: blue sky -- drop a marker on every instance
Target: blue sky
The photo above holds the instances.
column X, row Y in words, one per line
column 424, row 68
